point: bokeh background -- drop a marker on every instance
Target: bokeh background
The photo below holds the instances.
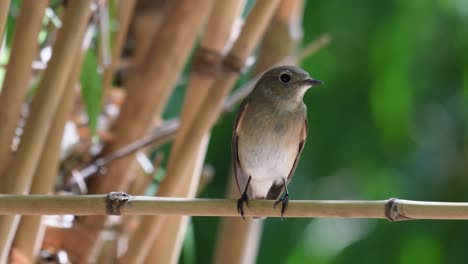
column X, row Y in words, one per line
column 391, row 121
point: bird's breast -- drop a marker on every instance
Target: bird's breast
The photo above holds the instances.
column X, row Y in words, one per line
column 267, row 148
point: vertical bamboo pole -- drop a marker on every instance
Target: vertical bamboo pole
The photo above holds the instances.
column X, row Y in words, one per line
column 208, row 57
column 30, row 232
column 205, row 117
column 126, row 9
column 146, row 22
column 147, row 97
column 283, row 36
column 18, row 72
column 239, row 240
column 168, row 243
column 4, row 6
column 18, row 176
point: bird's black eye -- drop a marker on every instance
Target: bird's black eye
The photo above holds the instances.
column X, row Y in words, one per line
column 285, row 78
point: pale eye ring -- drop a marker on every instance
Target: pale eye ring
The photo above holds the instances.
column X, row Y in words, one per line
column 285, row 77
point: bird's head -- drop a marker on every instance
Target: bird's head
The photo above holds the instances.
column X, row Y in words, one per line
column 287, row 83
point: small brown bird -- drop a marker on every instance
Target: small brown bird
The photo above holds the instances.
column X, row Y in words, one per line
column 269, row 135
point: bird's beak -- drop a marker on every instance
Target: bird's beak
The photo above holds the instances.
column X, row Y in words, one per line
column 311, row 82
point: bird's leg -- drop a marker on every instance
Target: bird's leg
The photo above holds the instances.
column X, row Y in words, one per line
column 283, row 200
column 243, row 199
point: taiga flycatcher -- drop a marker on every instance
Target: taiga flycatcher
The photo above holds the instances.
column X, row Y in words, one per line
column 269, row 135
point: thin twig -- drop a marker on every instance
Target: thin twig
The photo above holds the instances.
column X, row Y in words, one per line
column 315, row 46
column 117, row 203
column 160, row 135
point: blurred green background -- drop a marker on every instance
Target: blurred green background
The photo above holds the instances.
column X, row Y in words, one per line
column 391, row 121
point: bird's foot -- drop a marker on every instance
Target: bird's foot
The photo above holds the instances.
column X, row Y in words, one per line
column 240, row 204
column 284, row 204
column 243, row 199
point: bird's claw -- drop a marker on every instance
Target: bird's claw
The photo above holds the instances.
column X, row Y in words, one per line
column 284, row 204
column 240, row 204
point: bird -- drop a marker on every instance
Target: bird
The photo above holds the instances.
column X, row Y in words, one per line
column 269, row 134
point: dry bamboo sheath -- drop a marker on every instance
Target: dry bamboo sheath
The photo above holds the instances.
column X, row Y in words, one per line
column 117, row 203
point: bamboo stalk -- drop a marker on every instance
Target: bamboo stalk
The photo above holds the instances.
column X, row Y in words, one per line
column 392, row 209
column 146, row 23
column 30, row 230
column 205, row 178
column 138, row 187
column 18, row 176
column 178, row 224
column 171, row 238
column 204, row 118
column 208, row 56
column 18, row 72
column 146, row 234
column 238, row 240
column 126, row 9
column 282, row 37
column 149, row 91
column 4, row 7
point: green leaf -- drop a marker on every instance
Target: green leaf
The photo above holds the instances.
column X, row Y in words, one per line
column 91, row 89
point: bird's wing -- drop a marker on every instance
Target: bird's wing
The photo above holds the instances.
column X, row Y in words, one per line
column 300, row 148
column 239, row 173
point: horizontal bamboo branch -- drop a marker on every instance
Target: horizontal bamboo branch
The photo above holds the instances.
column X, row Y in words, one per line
column 117, row 203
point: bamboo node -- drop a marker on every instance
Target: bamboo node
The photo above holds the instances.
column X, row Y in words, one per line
column 206, row 61
column 233, row 63
column 393, row 210
column 115, row 200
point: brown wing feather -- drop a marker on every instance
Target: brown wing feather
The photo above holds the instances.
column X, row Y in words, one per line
column 239, row 173
column 301, row 147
